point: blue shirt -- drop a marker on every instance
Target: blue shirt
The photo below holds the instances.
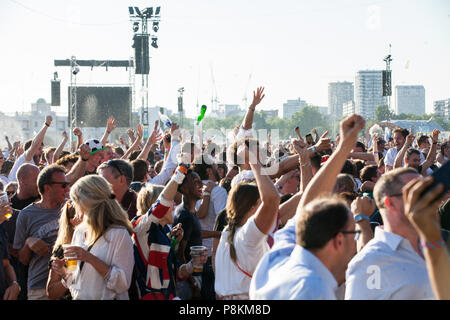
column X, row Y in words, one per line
column 289, row 271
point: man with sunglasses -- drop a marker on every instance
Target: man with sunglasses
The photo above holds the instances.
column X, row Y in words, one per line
column 391, row 266
column 37, row 228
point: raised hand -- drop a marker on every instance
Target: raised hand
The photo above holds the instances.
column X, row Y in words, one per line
column 410, row 137
column 349, row 129
column 77, row 132
column 48, row 120
column 297, row 131
column 111, row 124
column 257, row 97
column 324, row 143
column 84, row 151
column 435, row 135
column 421, row 209
column 64, row 135
column 140, row 131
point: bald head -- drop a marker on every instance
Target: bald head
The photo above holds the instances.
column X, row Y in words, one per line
column 27, row 175
column 26, row 170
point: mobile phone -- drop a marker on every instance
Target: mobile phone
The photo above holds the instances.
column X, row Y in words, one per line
column 309, row 139
column 441, row 176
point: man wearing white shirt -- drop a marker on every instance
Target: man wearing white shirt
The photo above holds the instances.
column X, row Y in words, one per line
column 33, row 150
column 399, row 137
column 391, row 265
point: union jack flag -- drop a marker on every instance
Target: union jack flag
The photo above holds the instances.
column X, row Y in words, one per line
column 156, row 264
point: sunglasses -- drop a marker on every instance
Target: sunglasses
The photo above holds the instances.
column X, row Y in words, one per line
column 357, row 233
column 63, row 184
column 10, row 192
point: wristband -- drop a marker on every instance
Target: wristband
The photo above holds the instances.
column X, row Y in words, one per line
column 359, row 217
column 432, row 245
column 375, row 152
column 46, row 124
column 313, row 148
column 206, row 194
column 84, row 159
column 434, row 142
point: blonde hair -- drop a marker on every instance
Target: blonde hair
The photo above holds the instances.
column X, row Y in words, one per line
column 66, row 228
column 147, row 197
column 93, row 195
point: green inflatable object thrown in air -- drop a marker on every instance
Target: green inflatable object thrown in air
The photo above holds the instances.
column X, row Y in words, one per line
column 202, row 114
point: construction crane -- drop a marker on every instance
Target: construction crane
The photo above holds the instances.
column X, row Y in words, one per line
column 244, row 99
column 214, row 99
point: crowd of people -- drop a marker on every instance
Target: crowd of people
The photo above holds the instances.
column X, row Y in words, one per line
column 343, row 218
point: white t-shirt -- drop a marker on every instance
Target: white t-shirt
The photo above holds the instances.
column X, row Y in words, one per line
column 251, row 245
column 115, row 248
column 19, row 161
column 389, row 159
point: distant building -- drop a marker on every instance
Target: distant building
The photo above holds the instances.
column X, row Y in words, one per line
column 441, row 108
column 270, row 113
column 25, row 125
column 348, row 108
column 368, row 92
column 338, row 94
column 293, row 106
column 447, row 109
column 410, row 99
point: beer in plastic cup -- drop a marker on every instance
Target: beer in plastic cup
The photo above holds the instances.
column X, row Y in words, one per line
column 197, row 254
column 71, row 262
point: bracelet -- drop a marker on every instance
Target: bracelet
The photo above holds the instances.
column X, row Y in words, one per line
column 46, row 124
column 433, row 245
column 206, row 194
column 109, row 132
column 313, row 148
column 84, row 159
column 15, row 282
column 253, row 109
column 435, row 142
column 375, row 152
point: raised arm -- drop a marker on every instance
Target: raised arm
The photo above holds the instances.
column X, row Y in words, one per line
column 247, row 123
column 80, row 167
column 79, row 134
column 38, row 139
column 60, row 147
column 152, row 139
column 110, row 126
column 270, row 200
column 137, row 141
column 322, row 183
column 421, row 210
column 398, row 163
column 9, row 144
column 431, row 156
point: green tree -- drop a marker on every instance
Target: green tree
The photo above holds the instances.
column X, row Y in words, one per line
column 382, row 113
column 309, row 118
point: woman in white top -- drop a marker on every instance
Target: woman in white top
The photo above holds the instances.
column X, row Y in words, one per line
column 105, row 248
column 251, row 213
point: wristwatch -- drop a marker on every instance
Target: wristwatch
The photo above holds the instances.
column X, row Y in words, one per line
column 359, row 217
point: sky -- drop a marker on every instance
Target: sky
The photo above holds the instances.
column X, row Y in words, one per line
column 293, row 48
